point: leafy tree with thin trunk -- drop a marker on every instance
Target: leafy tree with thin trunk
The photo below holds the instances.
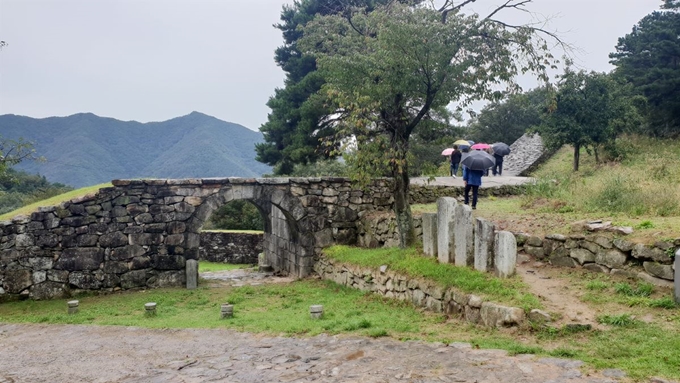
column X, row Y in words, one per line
column 390, row 70
column 589, row 110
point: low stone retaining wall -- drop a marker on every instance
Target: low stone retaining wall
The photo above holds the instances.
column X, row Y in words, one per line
column 420, row 293
column 600, row 253
column 379, row 229
column 224, row 247
column 429, row 194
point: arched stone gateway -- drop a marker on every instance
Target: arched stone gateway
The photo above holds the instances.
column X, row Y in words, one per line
column 140, row 233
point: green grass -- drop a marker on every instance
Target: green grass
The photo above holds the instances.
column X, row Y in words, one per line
column 217, row 266
column 56, row 200
column 234, row 231
column 511, row 291
column 642, row 350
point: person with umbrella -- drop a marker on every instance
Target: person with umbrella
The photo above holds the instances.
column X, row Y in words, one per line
column 500, row 150
column 456, row 155
column 474, row 165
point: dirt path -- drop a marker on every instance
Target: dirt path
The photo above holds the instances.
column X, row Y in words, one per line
column 557, row 296
column 76, row 353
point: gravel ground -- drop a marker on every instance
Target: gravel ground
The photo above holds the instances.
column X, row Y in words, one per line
column 77, row 353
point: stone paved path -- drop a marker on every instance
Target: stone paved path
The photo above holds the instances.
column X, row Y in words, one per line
column 487, row 182
column 76, row 353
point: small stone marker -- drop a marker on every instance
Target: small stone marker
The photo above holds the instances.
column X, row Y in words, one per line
column 72, row 307
column 430, row 234
column 463, row 236
column 316, row 311
column 677, row 276
column 192, row 273
column 262, row 265
column 150, row 309
column 445, row 245
column 226, row 311
column 484, row 245
column 505, row 252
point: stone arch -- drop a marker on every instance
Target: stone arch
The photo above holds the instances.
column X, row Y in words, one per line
column 288, row 245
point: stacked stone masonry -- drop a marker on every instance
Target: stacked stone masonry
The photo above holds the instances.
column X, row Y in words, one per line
column 603, row 254
column 226, row 247
column 420, row 293
column 140, row 233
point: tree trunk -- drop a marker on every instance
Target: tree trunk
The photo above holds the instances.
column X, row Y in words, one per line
column 402, row 206
column 577, row 155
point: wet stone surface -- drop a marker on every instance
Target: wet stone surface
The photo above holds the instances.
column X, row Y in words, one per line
column 240, row 277
column 56, row 353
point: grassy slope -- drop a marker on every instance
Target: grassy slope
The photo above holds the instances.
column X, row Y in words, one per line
column 56, row 200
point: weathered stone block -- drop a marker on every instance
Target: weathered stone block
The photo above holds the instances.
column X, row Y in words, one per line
column 113, row 267
column 48, row 290
column 563, row 261
column 127, row 252
column 534, row 241
column 594, row 267
column 603, row 241
column 655, row 254
column 167, row 262
column 140, row 263
column 611, row 258
column 57, row 275
column 87, row 240
column 83, row 280
column 582, row 255
column 145, row 239
column 535, row 251
column 17, row 280
column 463, row 236
column 623, row 245
column 75, row 259
column 659, row 270
column 133, row 279
column 37, row 263
column 493, row 315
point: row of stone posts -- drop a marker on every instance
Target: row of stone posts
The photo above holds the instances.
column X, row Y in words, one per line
column 453, row 236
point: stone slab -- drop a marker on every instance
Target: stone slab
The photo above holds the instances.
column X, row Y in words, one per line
column 484, row 245
column 445, row 245
column 505, row 252
column 463, row 236
column 192, row 273
column 430, row 234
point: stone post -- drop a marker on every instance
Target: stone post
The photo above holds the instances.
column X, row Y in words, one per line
column 430, row 234
column 463, row 236
column 445, row 206
column 73, row 307
column 226, row 311
column 505, row 251
column 484, row 239
column 150, row 309
column 316, row 311
column 192, row 273
column 677, row 276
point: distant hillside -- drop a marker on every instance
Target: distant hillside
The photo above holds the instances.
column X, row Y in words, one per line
column 85, row 149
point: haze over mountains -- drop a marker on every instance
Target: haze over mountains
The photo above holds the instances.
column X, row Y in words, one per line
column 85, row 149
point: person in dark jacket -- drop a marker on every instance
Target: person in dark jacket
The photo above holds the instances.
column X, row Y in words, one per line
column 498, row 167
column 455, row 160
column 472, row 180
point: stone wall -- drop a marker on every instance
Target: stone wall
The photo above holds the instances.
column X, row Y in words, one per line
column 140, row 233
column 420, row 293
column 430, row 193
column 525, row 155
column 224, row 247
column 602, row 254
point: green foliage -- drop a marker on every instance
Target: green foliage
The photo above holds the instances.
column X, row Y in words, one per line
column 320, row 168
column 18, row 189
column 620, row 320
column 236, row 215
column 590, row 110
column 619, row 194
column 508, row 119
column 206, row 266
column 647, row 58
column 641, row 290
column 646, row 224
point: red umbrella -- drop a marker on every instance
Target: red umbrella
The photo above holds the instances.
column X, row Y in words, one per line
column 480, row 146
column 447, row 152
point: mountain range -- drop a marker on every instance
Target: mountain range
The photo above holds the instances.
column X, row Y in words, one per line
column 85, row 149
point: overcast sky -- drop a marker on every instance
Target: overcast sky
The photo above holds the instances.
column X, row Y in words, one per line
column 150, row 60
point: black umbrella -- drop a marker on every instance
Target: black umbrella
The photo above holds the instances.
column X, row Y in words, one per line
column 500, row 148
column 478, row 160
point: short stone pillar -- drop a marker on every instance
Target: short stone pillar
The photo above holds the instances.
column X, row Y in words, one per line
column 192, row 273
column 430, row 234
column 262, row 265
column 72, row 307
column 677, row 276
column 484, row 245
column 226, row 311
column 150, row 309
column 505, row 253
column 316, row 311
column 463, row 236
column 445, row 207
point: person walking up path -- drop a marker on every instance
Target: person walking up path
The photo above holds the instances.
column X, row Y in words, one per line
column 472, row 180
column 456, row 155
